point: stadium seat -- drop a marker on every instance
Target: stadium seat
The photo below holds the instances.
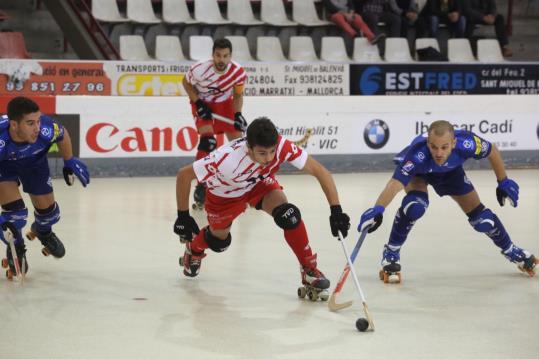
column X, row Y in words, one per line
column 12, row 46
column 207, row 12
column 240, row 48
column 364, row 51
column 304, row 13
column 268, row 48
column 132, row 48
column 423, row 43
column 200, row 47
column 241, row 13
column 397, row 50
column 333, row 49
column 488, row 50
column 176, row 12
column 168, row 48
column 3, row 15
column 141, row 11
column 459, row 50
column 272, row 12
column 302, row 49
column 107, row 11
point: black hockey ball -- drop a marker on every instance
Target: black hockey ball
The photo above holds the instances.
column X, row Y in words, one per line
column 362, row 324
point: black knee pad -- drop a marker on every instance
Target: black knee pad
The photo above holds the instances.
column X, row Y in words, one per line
column 217, row 244
column 207, row 143
column 286, row 216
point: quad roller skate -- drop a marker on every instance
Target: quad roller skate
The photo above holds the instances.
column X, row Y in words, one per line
column 199, row 196
column 315, row 284
column 9, row 264
column 525, row 261
column 191, row 261
column 391, row 268
column 51, row 243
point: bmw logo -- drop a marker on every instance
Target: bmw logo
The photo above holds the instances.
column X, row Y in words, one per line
column 376, row 134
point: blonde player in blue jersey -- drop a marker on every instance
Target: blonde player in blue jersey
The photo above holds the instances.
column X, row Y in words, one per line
column 25, row 138
column 436, row 158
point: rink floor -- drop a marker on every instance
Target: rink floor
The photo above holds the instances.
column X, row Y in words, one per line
column 118, row 293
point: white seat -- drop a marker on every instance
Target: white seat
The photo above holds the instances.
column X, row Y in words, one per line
column 241, row 13
column 268, row 48
column 207, row 12
column 302, row 49
column 141, row 11
column 459, row 50
column 397, row 50
column 107, row 11
column 168, row 48
column 423, row 43
column 304, row 13
column 272, row 12
column 132, row 48
column 176, row 12
column 488, row 50
column 364, row 51
column 200, row 47
column 333, row 49
column 240, row 48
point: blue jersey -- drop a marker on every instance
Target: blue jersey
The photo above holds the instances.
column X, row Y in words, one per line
column 417, row 160
column 28, row 154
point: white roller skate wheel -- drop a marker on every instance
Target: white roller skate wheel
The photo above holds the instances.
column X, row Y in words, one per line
column 302, row 292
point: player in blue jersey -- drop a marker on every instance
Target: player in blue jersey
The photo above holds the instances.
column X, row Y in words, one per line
column 436, row 158
column 25, row 138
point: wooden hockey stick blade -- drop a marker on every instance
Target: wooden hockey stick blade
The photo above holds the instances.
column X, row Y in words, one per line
column 334, row 306
column 369, row 317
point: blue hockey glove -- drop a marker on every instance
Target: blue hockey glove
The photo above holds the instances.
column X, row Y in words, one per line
column 74, row 166
column 203, row 111
column 185, row 226
column 507, row 188
column 240, row 123
column 372, row 217
column 338, row 221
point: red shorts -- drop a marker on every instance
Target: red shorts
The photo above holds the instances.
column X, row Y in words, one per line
column 225, row 109
column 222, row 211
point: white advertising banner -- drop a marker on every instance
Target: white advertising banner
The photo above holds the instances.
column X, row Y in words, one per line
column 163, row 127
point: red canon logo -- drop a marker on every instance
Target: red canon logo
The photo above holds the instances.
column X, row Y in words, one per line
column 136, row 139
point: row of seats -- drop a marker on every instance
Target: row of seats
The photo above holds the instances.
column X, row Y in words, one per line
column 168, row 48
column 239, row 12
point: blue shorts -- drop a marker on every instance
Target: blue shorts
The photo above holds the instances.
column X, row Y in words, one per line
column 452, row 183
column 35, row 178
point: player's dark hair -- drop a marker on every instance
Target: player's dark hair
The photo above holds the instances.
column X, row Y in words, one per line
column 262, row 132
column 440, row 128
column 18, row 107
column 221, row 44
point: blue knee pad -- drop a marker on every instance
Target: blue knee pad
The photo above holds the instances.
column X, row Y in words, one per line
column 44, row 221
column 414, row 205
column 483, row 220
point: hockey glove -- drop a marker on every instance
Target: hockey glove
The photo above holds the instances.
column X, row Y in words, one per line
column 203, row 111
column 74, row 166
column 339, row 221
column 507, row 188
column 185, row 226
column 240, row 123
column 372, row 217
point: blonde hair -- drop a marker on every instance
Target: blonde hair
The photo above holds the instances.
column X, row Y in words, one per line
column 440, row 128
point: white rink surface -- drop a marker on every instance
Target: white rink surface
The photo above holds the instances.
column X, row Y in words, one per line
column 459, row 297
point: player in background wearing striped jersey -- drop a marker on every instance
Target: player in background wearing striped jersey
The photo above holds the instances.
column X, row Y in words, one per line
column 215, row 87
column 242, row 173
column 436, row 158
column 25, row 138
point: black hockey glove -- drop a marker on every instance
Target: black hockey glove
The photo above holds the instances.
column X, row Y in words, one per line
column 339, row 221
column 240, row 123
column 203, row 111
column 185, row 226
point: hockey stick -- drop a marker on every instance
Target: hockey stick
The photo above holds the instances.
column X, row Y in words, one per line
column 332, row 304
column 222, row 119
column 358, row 287
column 11, row 240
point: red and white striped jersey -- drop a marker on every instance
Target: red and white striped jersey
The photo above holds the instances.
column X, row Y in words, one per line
column 213, row 86
column 229, row 171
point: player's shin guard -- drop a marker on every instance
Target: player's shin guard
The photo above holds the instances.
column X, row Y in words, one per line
column 16, row 213
column 42, row 229
column 298, row 241
column 413, row 207
column 483, row 220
